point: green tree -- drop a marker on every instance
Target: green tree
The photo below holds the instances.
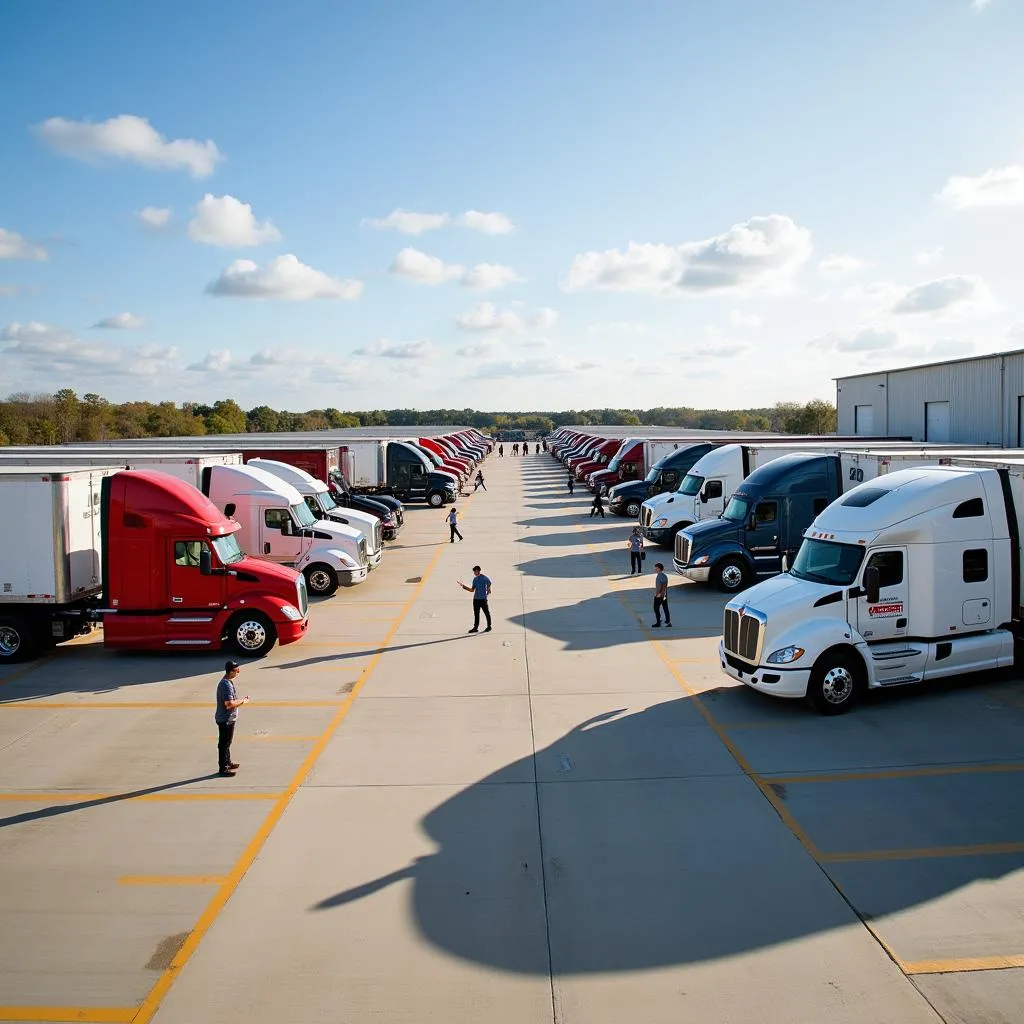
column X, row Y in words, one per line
column 226, row 417
column 262, row 419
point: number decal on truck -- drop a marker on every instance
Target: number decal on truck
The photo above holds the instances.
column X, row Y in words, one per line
column 857, row 474
column 886, row 610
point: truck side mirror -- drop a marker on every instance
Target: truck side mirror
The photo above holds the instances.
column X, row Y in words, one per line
column 286, row 526
column 703, row 498
column 752, row 522
column 229, row 510
column 205, row 561
column 872, row 584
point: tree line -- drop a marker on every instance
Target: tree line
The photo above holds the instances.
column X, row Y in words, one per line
column 64, row 417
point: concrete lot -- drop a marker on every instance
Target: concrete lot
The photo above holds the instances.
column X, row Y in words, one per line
column 572, row 818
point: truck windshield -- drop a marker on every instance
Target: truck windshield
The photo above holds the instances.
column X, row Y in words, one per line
column 737, row 510
column 614, row 464
column 327, row 503
column 825, row 561
column 227, row 549
column 691, row 484
column 653, row 475
column 302, row 515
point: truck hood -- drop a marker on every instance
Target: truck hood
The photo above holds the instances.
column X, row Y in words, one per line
column 781, row 593
column 631, row 489
column 705, row 534
column 657, row 501
column 338, row 532
column 278, row 578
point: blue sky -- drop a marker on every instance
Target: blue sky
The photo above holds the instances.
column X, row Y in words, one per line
column 598, row 204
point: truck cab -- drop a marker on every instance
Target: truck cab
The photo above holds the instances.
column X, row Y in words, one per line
column 277, row 524
column 624, row 466
column 906, row 578
column 412, row 477
column 762, row 524
column 665, row 475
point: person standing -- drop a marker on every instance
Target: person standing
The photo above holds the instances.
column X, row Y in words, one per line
column 225, row 717
column 453, row 524
column 501, row 451
column 536, row 450
column 515, row 448
column 572, row 484
column 480, row 480
column 526, row 449
column 597, row 505
column 636, row 552
column 661, row 597
column 480, row 588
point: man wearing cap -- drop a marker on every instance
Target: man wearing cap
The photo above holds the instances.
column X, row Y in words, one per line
column 225, row 716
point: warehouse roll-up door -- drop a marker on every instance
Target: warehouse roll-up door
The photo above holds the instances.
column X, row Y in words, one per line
column 936, row 421
column 863, row 419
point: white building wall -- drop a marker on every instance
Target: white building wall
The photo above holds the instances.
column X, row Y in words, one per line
column 854, row 392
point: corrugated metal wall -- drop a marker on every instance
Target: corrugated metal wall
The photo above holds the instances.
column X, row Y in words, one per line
column 984, row 400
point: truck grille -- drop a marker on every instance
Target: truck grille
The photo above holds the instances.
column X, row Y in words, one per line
column 682, row 549
column 743, row 634
column 363, row 560
column 377, row 535
column 646, row 516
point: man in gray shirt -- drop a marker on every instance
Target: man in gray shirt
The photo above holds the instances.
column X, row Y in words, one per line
column 661, row 597
column 480, row 588
column 225, row 716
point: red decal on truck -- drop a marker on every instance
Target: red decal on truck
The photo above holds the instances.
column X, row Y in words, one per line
column 885, row 611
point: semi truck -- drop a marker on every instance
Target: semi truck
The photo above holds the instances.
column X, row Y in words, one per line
column 318, row 498
column 764, row 521
column 276, row 524
column 908, row 578
column 665, row 474
column 626, row 464
column 142, row 553
column 398, row 468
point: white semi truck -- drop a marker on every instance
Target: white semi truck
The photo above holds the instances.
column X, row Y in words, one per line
column 317, row 496
column 907, row 578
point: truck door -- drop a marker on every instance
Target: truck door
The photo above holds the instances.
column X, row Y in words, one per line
column 712, row 500
column 277, row 542
column 192, row 599
column 887, row 618
column 763, row 538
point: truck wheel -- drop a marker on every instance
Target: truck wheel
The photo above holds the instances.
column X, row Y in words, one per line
column 633, row 510
column 435, row 499
column 321, row 580
column 836, row 683
column 730, row 575
column 252, row 634
column 17, row 640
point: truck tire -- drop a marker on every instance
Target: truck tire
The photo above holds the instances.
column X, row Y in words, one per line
column 730, row 575
column 836, row 684
column 321, row 580
column 633, row 509
column 252, row 634
column 435, row 499
column 17, row 640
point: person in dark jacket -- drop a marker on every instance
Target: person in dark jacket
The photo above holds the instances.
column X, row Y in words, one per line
column 597, row 506
column 572, row 484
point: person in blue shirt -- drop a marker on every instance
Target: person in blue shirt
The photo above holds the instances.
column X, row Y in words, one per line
column 480, row 588
column 225, row 716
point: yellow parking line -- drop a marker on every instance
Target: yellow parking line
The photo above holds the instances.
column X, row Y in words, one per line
column 969, row 963
column 899, row 773
column 163, row 985
column 171, row 880
column 90, row 1014
column 135, row 705
column 69, row 797
column 924, row 852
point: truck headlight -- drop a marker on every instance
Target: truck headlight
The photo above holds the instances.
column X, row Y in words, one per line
column 289, row 611
column 785, row 655
column 659, row 523
column 702, row 560
column 389, row 520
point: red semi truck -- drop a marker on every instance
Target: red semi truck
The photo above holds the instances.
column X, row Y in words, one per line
column 143, row 553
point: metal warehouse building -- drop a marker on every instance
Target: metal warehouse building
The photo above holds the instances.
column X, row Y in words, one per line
column 963, row 401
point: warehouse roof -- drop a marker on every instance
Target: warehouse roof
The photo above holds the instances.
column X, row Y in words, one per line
column 938, row 362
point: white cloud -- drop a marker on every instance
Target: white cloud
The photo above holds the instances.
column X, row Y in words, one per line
column 424, row 268
column 486, row 348
column 839, row 266
column 8, row 291
column 228, row 222
column 215, row 361
column 721, row 350
column 979, row 5
column 131, row 138
column 151, row 361
column 544, row 367
column 864, row 339
column 488, row 223
column 154, row 217
column 407, row 222
column 952, row 294
column 925, row 257
column 14, row 247
column 544, row 317
column 762, row 253
column 737, row 318
column 1016, row 333
column 489, row 277
column 485, row 316
column 122, row 322
column 397, row 350
column 282, row 278
column 1000, row 186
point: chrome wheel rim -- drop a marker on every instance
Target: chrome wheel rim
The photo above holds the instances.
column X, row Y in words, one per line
column 10, row 641
column 837, row 686
column 319, row 581
column 251, row 635
column 633, row 510
column 732, row 576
